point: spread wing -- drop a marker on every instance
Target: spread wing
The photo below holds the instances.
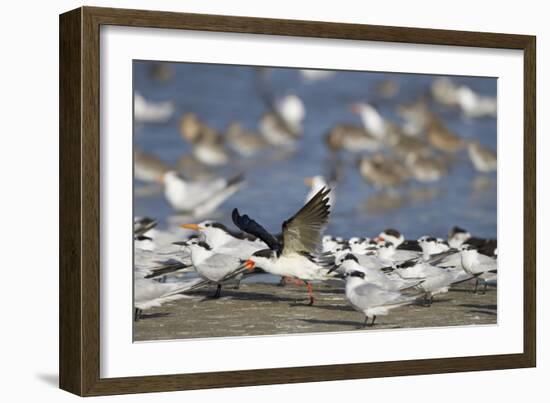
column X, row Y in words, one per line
column 248, row 225
column 303, row 231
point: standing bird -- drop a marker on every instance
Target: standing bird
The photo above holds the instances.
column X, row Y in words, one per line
column 426, row 168
column 282, row 126
column 459, row 236
column 371, row 299
column 200, row 197
column 148, row 168
column 474, row 105
column 351, row 138
column 382, row 171
column 482, row 267
column 483, row 158
column 226, row 242
column 299, row 255
column 441, row 138
column 152, row 112
column 244, row 142
column 373, row 122
column 208, row 144
column 215, row 267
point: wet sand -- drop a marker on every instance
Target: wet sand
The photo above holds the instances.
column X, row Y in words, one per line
column 264, row 309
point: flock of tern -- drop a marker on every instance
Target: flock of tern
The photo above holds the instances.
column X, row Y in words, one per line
column 379, row 273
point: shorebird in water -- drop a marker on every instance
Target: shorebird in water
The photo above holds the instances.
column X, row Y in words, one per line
column 382, row 171
column 483, row 159
column 244, row 142
column 152, row 112
column 208, row 145
column 198, row 198
column 282, row 125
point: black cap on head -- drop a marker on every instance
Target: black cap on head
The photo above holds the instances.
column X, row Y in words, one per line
column 350, row 256
column 218, row 225
column 457, row 230
column 392, row 232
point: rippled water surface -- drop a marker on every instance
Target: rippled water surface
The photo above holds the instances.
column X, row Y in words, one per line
column 275, row 188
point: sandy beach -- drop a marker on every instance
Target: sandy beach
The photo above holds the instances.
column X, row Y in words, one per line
column 266, row 309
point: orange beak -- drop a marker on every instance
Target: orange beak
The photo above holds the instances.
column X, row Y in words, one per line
column 379, row 239
column 308, row 181
column 194, row 227
column 160, row 178
column 249, row 264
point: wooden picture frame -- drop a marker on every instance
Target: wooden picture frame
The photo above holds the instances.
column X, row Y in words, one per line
column 80, row 199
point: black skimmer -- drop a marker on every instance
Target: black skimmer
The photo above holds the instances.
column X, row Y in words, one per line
column 298, row 255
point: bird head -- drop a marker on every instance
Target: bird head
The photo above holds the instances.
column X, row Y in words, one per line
column 261, row 258
column 216, row 234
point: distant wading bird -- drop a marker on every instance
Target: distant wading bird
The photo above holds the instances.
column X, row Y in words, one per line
column 299, row 254
column 198, row 197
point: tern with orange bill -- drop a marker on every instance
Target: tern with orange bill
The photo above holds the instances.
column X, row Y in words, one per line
column 214, row 267
column 298, row 256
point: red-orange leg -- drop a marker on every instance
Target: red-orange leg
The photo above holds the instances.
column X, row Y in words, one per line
column 310, row 292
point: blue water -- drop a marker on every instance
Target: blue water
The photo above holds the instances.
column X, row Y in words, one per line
column 275, row 190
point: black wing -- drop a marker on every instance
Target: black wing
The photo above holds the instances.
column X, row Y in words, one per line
column 248, row 225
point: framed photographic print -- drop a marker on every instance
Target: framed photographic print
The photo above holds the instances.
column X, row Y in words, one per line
column 239, row 193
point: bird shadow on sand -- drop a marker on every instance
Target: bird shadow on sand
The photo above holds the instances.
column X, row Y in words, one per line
column 471, row 290
column 491, row 313
column 338, row 291
column 154, row 315
column 334, row 307
column 353, row 325
column 420, row 302
column 350, row 323
column 245, row 296
column 492, row 307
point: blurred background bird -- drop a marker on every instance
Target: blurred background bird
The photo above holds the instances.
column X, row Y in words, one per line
column 414, row 150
